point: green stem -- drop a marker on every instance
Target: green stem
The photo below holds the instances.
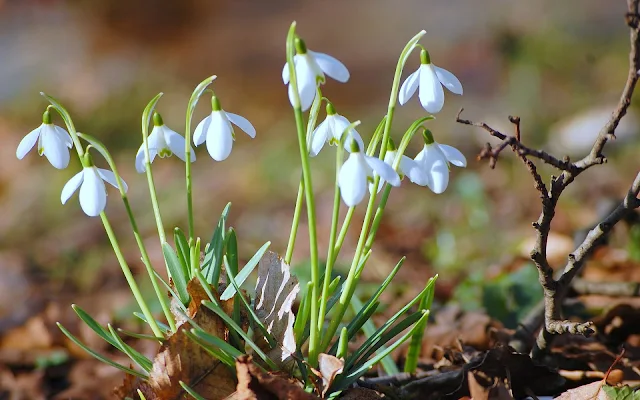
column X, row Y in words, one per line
column 129, row 277
column 343, row 231
column 313, row 117
column 331, row 256
column 308, row 188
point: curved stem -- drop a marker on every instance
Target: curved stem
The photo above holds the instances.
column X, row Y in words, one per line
column 295, row 223
column 129, row 277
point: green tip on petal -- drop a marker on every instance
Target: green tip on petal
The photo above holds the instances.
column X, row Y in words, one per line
column 215, row 104
column 391, row 146
column 157, row 119
column 424, row 57
column 301, row 47
column 46, row 117
column 330, row 109
column 355, row 148
column 428, row 137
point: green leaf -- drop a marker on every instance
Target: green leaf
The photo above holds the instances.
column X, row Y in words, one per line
column 301, row 323
column 213, row 257
column 182, row 247
column 232, row 325
column 140, row 335
column 191, row 392
column 369, row 329
column 621, row 393
column 344, row 381
column 98, row 356
column 213, row 345
column 162, row 326
column 177, row 273
column 138, row 358
column 106, row 336
column 242, row 276
column 415, row 346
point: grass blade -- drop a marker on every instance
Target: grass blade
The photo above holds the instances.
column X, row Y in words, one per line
column 242, row 276
column 178, row 272
column 138, row 358
column 213, row 257
column 191, row 392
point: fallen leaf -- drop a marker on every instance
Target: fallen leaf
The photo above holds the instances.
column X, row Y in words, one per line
column 330, row 366
column 592, row 391
column 255, row 384
column 276, row 290
column 181, row 359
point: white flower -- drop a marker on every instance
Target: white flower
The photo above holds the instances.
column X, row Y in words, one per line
column 53, row 142
column 430, row 80
column 356, row 172
column 162, row 142
column 331, row 130
column 433, row 162
column 93, row 193
column 310, row 68
column 407, row 167
column 217, row 130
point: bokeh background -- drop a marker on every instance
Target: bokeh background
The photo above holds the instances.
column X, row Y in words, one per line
column 560, row 66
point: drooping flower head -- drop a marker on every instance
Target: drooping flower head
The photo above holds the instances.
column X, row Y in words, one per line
column 433, row 162
column 310, row 68
column 217, row 131
column 162, row 142
column 407, row 166
column 429, row 79
column 53, row 141
column 93, row 193
column 357, row 171
column 331, row 130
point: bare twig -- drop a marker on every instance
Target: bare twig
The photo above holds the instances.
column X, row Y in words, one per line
column 556, row 290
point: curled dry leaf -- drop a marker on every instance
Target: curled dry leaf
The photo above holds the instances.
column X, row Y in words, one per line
column 592, row 391
column 330, row 366
column 276, row 290
column 181, row 359
column 255, row 384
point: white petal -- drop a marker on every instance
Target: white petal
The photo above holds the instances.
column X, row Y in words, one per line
column 435, row 165
column 285, row 73
column 55, row 149
column 430, row 92
column 219, row 137
column 242, row 123
column 383, row 169
column 176, row 144
column 352, row 180
column 338, row 124
column 409, row 87
column 420, row 175
column 353, row 135
column 453, row 155
column 381, row 184
column 319, row 137
column 140, row 159
column 110, row 178
column 200, row 134
column 71, row 186
column 449, row 80
column 93, row 194
column 64, row 136
column 27, row 143
column 156, row 138
column 406, row 165
column 331, row 66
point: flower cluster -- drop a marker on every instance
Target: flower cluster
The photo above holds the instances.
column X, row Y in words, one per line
column 429, row 168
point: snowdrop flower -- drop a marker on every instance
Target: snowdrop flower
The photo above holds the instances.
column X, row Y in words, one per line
column 162, row 142
column 93, row 193
column 407, row 167
column 218, row 132
column 331, row 130
column 53, row 142
column 357, row 171
column 433, row 162
column 430, row 80
column 310, row 68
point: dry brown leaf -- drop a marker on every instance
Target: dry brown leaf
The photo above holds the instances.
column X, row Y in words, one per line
column 592, row 391
column 180, row 359
column 330, row 366
column 255, row 384
column 276, row 290
column 360, row 393
column 496, row 391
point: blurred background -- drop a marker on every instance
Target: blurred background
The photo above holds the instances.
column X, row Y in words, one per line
column 560, row 66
